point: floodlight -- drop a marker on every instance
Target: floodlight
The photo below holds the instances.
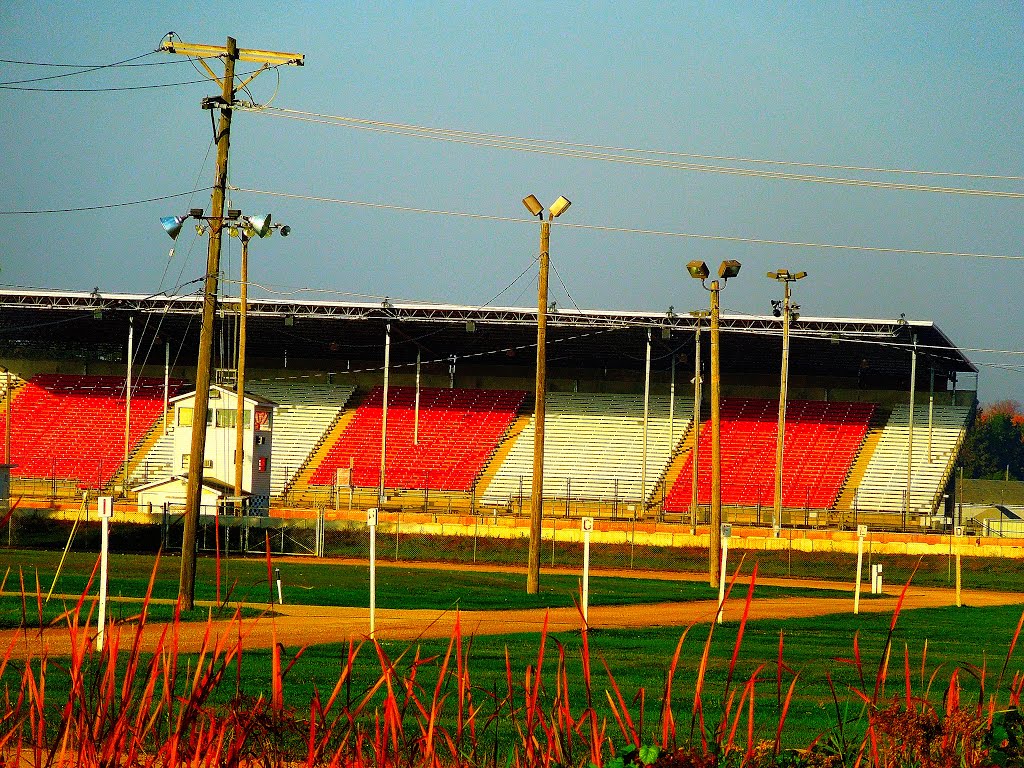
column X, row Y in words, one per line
column 799, row 275
column 559, row 207
column 195, row 213
column 260, row 224
column 285, row 231
column 234, row 213
column 729, row 268
column 172, row 225
column 533, row 205
column 698, row 270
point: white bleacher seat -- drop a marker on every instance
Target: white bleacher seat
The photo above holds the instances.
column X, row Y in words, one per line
column 593, row 448
column 305, row 411
column 884, row 484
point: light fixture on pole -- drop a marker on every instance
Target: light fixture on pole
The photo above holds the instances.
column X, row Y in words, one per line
column 699, row 271
column 787, row 311
column 556, row 209
column 245, row 228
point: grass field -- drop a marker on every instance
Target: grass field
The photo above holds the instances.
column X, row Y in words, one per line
column 309, row 582
column 818, row 654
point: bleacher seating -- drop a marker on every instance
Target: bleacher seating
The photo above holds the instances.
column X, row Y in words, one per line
column 72, row 427
column 593, row 448
column 884, row 484
column 157, row 463
column 822, row 440
column 305, row 411
column 458, row 432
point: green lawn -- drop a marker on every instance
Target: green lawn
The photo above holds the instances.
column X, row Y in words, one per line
column 970, row 639
column 965, row 638
column 323, row 583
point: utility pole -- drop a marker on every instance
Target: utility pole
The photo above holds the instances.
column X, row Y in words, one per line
column 230, row 53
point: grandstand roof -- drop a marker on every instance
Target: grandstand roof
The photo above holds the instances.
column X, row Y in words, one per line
column 338, row 335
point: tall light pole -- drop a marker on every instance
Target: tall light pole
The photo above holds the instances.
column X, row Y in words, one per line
column 699, row 271
column 229, row 53
column 787, row 311
column 537, row 490
column 250, row 226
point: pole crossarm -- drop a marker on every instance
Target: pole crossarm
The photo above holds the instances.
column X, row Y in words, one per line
column 201, row 51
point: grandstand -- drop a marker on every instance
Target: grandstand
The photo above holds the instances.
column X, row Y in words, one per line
column 822, row 441
column 593, row 450
column 72, row 427
column 936, row 441
column 446, row 449
column 322, row 362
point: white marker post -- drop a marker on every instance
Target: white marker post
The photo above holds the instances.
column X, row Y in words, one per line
column 726, row 533
column 280, row 597
column 959, row 533
column 586, row 525
column 862, row 531
column 371, row 523
column 105, row 510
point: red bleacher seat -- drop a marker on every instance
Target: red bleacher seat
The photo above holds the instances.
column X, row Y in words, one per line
column 822, row 439
column 459, row 430
column 72, row 427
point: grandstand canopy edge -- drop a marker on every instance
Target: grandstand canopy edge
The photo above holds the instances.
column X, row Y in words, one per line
column 340, row 337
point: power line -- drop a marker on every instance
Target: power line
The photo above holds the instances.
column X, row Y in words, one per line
column 653, row 158
column 636, row 231
column 127, row 63
column 83, row 71
column 101, row 90
column 103, row 206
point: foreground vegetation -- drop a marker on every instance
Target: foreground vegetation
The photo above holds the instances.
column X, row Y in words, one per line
column 724, row 696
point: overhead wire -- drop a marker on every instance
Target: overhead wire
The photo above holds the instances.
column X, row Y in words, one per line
column 638, row 231
column 103, row 206
column 652, row 158
column 83, row 71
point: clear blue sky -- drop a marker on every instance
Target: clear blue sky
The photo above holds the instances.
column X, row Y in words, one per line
column 928, row 86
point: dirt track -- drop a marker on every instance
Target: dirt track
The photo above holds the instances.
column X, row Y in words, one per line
column 299, row 625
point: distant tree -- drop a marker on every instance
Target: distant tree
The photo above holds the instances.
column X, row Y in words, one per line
column 996, row 442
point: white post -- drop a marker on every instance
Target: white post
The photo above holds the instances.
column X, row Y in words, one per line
column 726, row 533
column 280, row 597
column 371, row 522
column 105, row 508
column 587, row 524
column 862, row 531
column 959, row 533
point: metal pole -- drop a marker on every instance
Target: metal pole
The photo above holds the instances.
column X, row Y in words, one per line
column 931, row 410
column 240, row 380
column 696, row 425
column 167, row 380
column 128, row 403
column 715, row 537
column 193, row 494
column 910, row 425
column 416, row 408
column 537, row 489
column 781, row 435
column 647, row 397
column 384, row 414
column 672, row 408
column 7, row 421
